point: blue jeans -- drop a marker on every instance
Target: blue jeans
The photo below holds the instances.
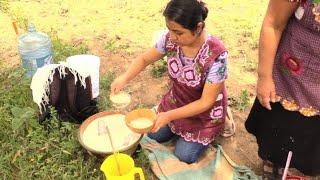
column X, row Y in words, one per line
column 188, row 152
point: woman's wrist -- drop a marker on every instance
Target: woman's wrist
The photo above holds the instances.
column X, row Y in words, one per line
column 264, row 75
column 169, row 115
column 125, row 77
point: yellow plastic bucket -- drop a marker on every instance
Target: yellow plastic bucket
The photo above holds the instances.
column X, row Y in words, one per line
column 126, row 167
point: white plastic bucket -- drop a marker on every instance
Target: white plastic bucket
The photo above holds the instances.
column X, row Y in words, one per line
column 87, row 64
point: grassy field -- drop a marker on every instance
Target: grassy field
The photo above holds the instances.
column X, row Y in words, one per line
column 51, row 151
column 237, row 23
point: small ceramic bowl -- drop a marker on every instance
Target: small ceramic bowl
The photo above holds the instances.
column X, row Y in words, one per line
column 146, row 118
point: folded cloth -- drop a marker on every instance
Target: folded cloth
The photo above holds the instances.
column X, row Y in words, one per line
column 213, row 164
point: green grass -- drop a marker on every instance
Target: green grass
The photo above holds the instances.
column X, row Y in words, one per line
column 105, row 81
column 50, row 150
column 119, row 45
column 33, row 151
column 141, row 160
column 62, row 50
column 240, row 102
column 238, row 24
column 4, row 5
column 159, row 68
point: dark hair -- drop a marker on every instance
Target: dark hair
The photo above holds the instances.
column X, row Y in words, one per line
column 187, row 13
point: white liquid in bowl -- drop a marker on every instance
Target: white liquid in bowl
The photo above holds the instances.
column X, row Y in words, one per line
column 121, row 135
column 141, row 123
column 121, row 98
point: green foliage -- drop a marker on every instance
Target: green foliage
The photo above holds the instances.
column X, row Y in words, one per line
column 250, row 66
column 18, row 15
column 141, row 160
column 62, row 50
column 159, row 68
column 242, row 102
column 4, row 6
column 106, row 80
column 115, row 45
column 104, row 102
column 33, row 151
column 250, row 63
column 21, row 20
column 111, row 45
column 21, row 117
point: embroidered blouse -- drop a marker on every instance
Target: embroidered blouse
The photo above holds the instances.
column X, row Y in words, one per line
column 216, row 73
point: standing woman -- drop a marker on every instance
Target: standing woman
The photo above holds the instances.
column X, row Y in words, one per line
column 285, row 115
column 194, row 108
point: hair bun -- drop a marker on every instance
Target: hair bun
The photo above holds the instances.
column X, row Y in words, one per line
column 187, row 13
column 204, row 10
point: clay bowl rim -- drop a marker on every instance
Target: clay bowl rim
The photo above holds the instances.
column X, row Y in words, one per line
column 141, row 130
column 85, row 124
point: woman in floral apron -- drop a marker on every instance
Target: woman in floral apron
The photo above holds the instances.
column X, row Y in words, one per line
column 194, row 108
column 285, row 115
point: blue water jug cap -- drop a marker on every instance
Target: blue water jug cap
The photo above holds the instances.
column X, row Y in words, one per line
column 31, row 28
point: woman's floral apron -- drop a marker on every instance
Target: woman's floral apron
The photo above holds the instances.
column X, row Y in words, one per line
column 187, row 86
column 297, row 63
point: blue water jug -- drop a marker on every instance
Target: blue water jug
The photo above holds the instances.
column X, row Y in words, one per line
column 35, row 50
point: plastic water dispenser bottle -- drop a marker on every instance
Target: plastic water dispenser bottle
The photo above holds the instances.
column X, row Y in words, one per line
column 35, row 50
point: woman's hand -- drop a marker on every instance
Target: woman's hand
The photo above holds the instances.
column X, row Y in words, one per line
column 118, row 84
column 266, row 91
column 162, row 120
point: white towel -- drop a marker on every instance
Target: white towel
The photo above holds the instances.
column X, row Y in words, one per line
column 44, row 76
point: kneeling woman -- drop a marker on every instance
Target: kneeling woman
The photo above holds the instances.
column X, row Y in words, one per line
column 194, row 108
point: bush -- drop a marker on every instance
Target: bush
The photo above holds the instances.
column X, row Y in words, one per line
column 242, row 102
column 159, row 68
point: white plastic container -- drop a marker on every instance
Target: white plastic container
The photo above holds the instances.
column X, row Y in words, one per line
column 87, row 64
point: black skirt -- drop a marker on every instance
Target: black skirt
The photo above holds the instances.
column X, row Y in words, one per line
column 279, row 131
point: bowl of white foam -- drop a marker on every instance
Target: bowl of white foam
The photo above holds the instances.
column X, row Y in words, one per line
column 123, row 138
column 141, row 120
column 120, row 100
